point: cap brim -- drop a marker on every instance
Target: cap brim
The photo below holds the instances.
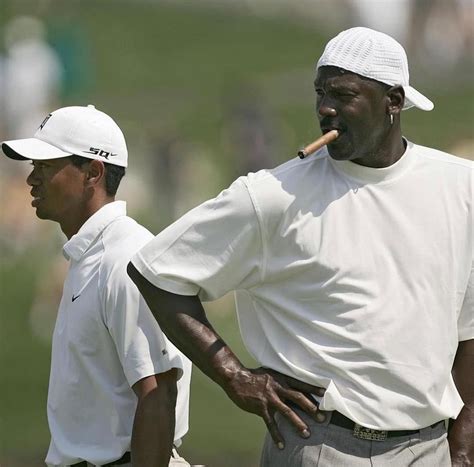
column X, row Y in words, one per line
column 32, row 149
column 413, row 98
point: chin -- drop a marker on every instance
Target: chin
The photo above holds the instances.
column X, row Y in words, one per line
column 340, row 155
column 40, row 214
column 341, row 150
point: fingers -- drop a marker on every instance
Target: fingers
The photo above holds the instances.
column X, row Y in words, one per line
column 300, row 393
column 273, row 430
column 291, row 416
column 264, row 392
column 306, row 403
column 294, row 419
column 318, row 391
column 303, row 387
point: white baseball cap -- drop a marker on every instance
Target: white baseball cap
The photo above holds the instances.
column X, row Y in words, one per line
column 83, row 131
column 374, row 55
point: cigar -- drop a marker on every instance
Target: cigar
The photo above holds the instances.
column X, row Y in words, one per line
column 318, row 144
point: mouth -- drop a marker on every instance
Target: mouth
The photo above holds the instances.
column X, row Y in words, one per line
column 36, row 199
column 327, row 129
column 340, row 137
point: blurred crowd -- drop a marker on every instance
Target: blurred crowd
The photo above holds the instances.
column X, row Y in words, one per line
column 414, row 23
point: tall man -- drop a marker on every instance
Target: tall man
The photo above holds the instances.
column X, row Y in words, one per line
column 353, row 272
column 118, row 389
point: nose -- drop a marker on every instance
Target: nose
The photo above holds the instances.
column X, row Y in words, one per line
column 33, row 179
column 325, row 107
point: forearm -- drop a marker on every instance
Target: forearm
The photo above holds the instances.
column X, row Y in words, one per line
column 154, row 423
column 461, row 433
column 461, row 437
column 183, row 320
column 191, row 332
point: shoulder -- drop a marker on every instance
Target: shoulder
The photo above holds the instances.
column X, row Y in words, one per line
column 276, row 188
column 289, row 170
column 121, row 239
column 443, row 159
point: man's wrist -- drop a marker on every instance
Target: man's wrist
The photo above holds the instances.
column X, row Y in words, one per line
column 230, row 374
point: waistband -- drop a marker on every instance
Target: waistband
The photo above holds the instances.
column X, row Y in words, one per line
column 362, row 432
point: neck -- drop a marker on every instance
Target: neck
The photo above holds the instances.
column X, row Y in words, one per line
column 387, row 152
column 73, row 226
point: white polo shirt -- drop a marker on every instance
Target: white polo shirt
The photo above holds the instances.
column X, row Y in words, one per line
column 356, row 279
column 104, row 341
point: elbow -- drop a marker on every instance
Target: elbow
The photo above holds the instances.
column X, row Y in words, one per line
column 160, row 390
column 166, row 393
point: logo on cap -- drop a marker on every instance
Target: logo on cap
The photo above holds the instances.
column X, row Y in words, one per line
column 43, row 123
column 100, row 152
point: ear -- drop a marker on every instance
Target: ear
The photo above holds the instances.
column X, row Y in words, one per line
column 396, row 99
column 95, row 173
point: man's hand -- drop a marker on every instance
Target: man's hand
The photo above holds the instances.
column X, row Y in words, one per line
column 264, row 392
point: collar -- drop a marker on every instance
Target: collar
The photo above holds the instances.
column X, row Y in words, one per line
column 79, row 243
column 377, row 175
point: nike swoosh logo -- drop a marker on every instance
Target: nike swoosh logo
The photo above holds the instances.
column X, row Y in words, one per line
column 75, row 297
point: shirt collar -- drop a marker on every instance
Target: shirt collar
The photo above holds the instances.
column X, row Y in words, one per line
column 79, row 243
column 377, row 175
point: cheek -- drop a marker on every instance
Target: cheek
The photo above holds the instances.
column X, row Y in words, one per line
column 72, row 192
column 364, row 123
column 66, row 188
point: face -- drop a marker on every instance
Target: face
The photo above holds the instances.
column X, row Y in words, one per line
column 357, row 108
column 58, row 190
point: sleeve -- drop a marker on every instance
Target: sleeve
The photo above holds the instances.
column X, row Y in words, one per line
column 141, row 346
column 211, row 250
column 466, row 316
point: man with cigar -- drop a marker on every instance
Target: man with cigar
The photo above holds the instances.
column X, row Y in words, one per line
column 353, row 276
column 118, row 389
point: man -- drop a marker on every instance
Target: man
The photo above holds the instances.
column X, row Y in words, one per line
column 353, row 272
column 114, row 395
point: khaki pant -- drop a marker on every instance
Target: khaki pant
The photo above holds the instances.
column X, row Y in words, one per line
column 331, row 445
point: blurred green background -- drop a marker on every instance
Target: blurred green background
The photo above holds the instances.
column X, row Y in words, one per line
column 204, row 92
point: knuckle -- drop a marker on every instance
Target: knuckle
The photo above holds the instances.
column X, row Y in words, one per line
column 271, row 423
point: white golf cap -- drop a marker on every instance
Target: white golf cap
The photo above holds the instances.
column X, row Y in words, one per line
column 374, row 55
column 83, row 131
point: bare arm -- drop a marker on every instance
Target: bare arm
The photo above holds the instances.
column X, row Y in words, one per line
column 154, row 423
column 260, row 391
column 461, row 433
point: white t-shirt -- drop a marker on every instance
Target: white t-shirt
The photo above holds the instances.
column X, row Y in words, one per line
column 104, row 341
column 356, row 279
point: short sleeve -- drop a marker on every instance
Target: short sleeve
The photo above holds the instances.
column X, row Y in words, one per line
column 211, row 250
column 466, row 316
column 141, row 346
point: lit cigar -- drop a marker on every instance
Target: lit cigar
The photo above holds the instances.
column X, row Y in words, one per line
column 318, row 144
